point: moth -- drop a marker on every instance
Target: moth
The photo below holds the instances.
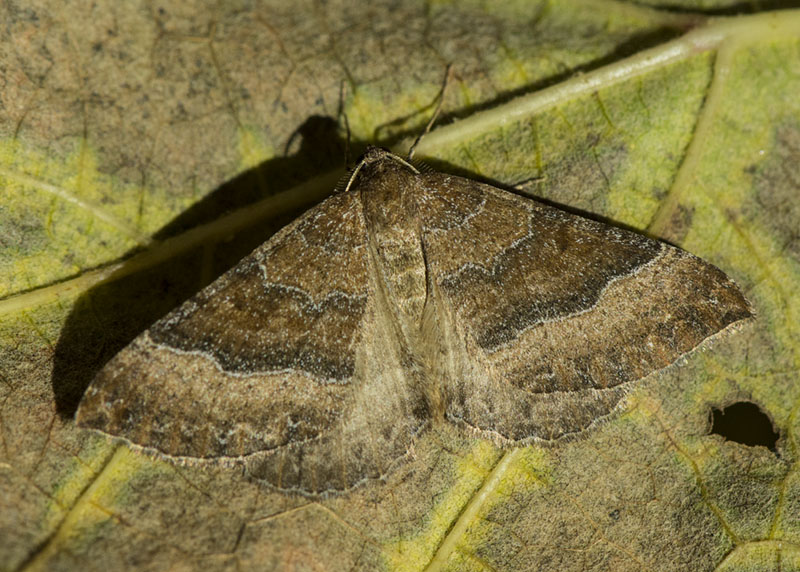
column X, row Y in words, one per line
column 410, row 298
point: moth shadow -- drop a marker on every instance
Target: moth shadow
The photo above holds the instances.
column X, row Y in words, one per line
column 153, row 281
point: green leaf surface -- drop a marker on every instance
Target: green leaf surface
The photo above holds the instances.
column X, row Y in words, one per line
column 145, row 147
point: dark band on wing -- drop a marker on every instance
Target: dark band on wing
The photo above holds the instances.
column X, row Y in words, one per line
column 552, row 256
column 671, row 307
column 288, row 330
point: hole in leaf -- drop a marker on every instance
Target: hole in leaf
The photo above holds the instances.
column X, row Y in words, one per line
column 746, row 423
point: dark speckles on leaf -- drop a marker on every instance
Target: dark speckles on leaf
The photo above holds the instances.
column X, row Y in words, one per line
column 777, row 184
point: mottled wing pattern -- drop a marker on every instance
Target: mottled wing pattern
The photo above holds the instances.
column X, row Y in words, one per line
column 280, row 362
column 552, row 315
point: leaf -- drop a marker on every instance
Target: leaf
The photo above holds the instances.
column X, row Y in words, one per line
column 145, row 147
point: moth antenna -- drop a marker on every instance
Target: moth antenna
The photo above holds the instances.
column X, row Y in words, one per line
column 352, row 176
column 404, row 162
column 448, row 76
column 372, row 155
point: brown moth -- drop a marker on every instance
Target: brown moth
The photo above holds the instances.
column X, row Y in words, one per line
column 412, row 297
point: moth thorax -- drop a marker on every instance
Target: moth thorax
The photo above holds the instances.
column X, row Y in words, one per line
column 394, row 233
